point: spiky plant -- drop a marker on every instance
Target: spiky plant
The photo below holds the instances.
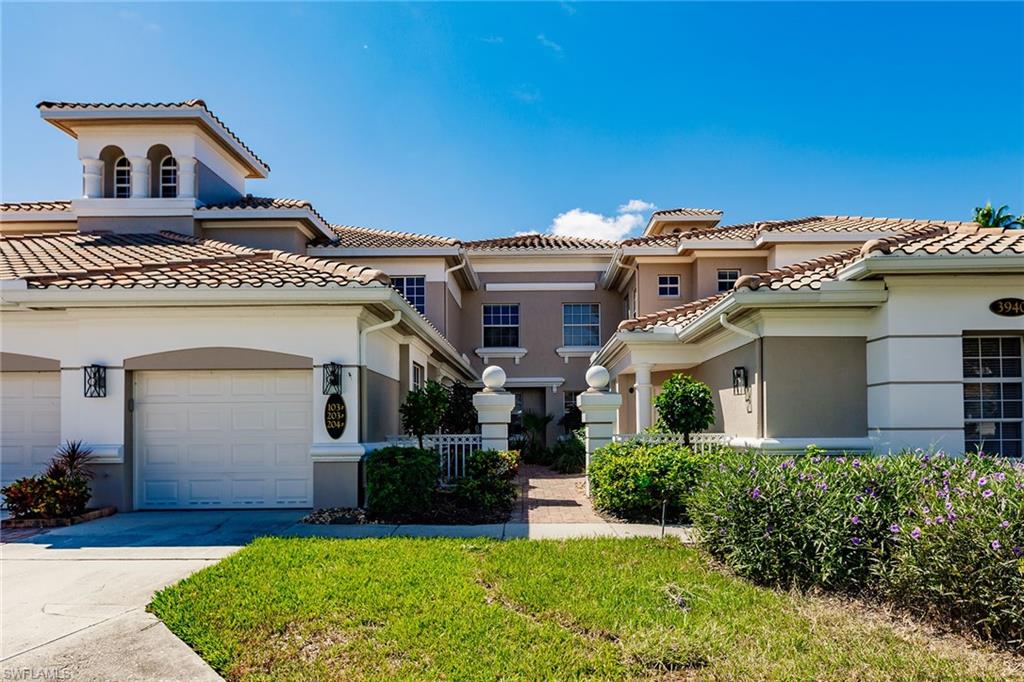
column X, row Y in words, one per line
column 986, row 216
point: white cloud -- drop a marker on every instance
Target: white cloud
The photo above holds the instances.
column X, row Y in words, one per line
column 636, row 206
column 580, row 223
column 568, row 8
column 492, row 40
column 548, row 43
column 526, row 233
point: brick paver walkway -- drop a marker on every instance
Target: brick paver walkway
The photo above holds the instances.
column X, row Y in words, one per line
column 549, row 497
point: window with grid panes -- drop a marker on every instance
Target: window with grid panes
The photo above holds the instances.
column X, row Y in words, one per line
column 581, row 324
column 501, row 325
column 992, row 394
column 414, row 288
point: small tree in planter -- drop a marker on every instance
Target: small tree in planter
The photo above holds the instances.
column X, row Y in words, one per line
column 460, row 415
column 684, row 406
column 424, row 409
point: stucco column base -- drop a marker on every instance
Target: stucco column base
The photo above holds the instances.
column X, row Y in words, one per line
column 494, row 409
column 599, row 409
column 336, row 483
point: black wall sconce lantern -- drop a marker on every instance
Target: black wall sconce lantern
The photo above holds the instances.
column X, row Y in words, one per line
column 739, row 380
column 95, row 381
column 332, row 378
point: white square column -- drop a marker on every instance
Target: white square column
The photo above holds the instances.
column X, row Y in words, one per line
column 600, row 408
column 494, row 407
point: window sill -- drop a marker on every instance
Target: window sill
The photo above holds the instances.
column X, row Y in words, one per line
column 500, row 352
column 567, row 352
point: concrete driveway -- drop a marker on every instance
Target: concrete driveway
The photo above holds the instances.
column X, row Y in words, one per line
column 74, row 598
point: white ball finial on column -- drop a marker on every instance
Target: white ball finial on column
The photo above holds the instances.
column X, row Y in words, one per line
column 494, row 379
column 598, row 378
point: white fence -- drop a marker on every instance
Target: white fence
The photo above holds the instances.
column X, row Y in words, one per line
column 452, row 450
column 699, row 442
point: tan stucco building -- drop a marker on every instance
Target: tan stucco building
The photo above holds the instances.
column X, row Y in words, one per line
column 193, row 335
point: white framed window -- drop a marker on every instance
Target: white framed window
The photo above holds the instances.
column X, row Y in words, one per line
column 501, row 325
column 992, row 394
column 414, row 288
column 569, row 401
column 581, row 324
column 668, row 286
column 418, row 376
column 727, row 278
column 169, row 177
column 122, row 178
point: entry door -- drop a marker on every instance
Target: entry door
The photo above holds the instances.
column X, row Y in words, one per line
column 223, row 439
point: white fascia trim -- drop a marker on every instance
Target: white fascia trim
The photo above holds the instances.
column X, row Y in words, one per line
column 53, row 115
column 878, row 264
column 37, row 216
column 852, row 444
column 133, row 207
column 337, row 452
column 529, row 382
column 567, row 352
column 204, row 214
column 495, row 352
column 550, row 252
column 819, row 237
column 540, row 286
column 686, row 244
column 406, row 252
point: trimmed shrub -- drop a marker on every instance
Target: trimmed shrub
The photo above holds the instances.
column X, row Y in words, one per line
column 487, row 484
column 684, row 406
column 631, row 479
column 46, row 497
column 941, row 536
column 400, row 482
column 570, row 455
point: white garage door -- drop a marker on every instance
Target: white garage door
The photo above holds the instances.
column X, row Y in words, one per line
column 223, row 439
column 29, row 422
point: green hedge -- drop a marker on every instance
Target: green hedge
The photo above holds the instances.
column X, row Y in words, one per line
column 487, row 485
column 400, row 482
column 942, row 536
column 631, row 479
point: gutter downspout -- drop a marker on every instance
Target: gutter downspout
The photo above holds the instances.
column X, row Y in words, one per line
column 363, row 397
column 723, row 320
column 447, row 272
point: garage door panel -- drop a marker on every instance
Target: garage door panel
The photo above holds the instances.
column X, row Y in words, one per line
column 243, row 443
column 29, row 422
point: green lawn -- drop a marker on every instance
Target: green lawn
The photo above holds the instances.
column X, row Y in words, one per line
column 307, row 609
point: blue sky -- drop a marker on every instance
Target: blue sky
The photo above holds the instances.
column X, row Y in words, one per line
column 484, row 119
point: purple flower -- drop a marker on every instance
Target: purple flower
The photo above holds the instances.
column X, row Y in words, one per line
column 755, row 494
column 856, row 463
column 1000, row 476
column 855, row 541
column 982, row 481
column 855, row 520
column 916, row 533
column 894, row 528
column 1004, row 524
column 988, row 493
column 940, row 519
column 1017, row 551
column 973, row 474
column 995, row 544
column 823, row 486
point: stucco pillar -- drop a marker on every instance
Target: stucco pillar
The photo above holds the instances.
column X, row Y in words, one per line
column 494, row 407
column 186, row 176
column 336, row 457
column 643, row 390
column 600, row 408
column 92, row 178
column 140, row 176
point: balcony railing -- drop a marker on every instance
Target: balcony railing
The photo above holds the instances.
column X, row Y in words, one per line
column 699, row 442
column 453, row 449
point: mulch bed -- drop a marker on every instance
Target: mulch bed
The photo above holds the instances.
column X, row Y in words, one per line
column 89, row 515
column 443, row 512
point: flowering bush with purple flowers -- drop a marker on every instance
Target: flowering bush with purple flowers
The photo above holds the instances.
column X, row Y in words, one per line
column 940, row 535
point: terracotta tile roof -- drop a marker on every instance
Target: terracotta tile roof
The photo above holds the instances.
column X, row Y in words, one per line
column 672, row 316
column 969, row 239
column 262, row 203
column 539, row 241
column 687, row 213
column 59, row 205
column 167, row 259
column 925, row 239
column 821, row 224
column 187, row 104
column 659, row 240
column 353, row 237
